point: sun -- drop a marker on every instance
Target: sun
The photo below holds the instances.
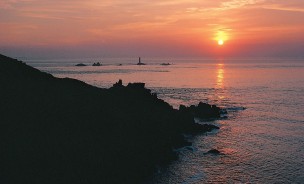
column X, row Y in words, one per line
column 220, row 42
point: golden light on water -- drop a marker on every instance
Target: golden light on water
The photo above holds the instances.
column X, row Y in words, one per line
column 220, row 81
column 220, row 75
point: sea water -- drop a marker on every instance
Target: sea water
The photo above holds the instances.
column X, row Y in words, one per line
column 261, row 141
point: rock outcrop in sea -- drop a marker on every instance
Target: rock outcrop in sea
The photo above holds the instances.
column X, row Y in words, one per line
column 61, row 130
column 214, row 152
column 80, row 64
column 202, row 110
column 165, row 64
column 97, row 64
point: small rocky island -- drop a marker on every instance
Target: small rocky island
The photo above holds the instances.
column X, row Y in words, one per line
column 61, row 130
column 165, row 64
column 80, row 64
column 97, row 64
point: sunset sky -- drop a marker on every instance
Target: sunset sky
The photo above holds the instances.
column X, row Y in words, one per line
column 152, row 28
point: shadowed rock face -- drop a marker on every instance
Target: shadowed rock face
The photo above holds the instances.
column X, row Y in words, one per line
column 202, row 110
column 66, row 131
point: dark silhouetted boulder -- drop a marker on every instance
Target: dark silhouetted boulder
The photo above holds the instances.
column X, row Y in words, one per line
column 202, row 110
column 214, row 152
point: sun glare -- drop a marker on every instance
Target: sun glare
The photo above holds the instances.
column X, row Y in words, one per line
column 221, row 37
column 220, row 42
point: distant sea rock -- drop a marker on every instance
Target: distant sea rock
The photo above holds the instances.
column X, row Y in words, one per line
column 80, row 64
column 97, row 64
column 165, row 64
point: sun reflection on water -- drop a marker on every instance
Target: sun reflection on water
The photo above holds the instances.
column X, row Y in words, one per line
column 220, row 81
column 220, row 75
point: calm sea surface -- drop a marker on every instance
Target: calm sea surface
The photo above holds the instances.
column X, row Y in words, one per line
column 262, row 144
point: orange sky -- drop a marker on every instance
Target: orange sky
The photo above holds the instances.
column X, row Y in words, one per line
column 156, row 28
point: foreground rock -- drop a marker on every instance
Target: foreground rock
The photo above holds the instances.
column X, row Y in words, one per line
column 65, row 131
column 202, row 110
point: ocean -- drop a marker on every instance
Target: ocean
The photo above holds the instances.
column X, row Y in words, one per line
column 261, row 140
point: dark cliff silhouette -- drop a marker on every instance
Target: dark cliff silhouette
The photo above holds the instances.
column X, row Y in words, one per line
column 66, row 131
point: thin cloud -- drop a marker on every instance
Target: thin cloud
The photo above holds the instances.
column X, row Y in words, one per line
column 10, row 4
column 238, row 4
column 274, row 7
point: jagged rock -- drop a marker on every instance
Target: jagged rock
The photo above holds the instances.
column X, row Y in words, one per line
column 118, row 84
column 202, row 110
column 137, row 85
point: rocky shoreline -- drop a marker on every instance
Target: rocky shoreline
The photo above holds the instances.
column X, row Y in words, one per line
column 66, row 131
